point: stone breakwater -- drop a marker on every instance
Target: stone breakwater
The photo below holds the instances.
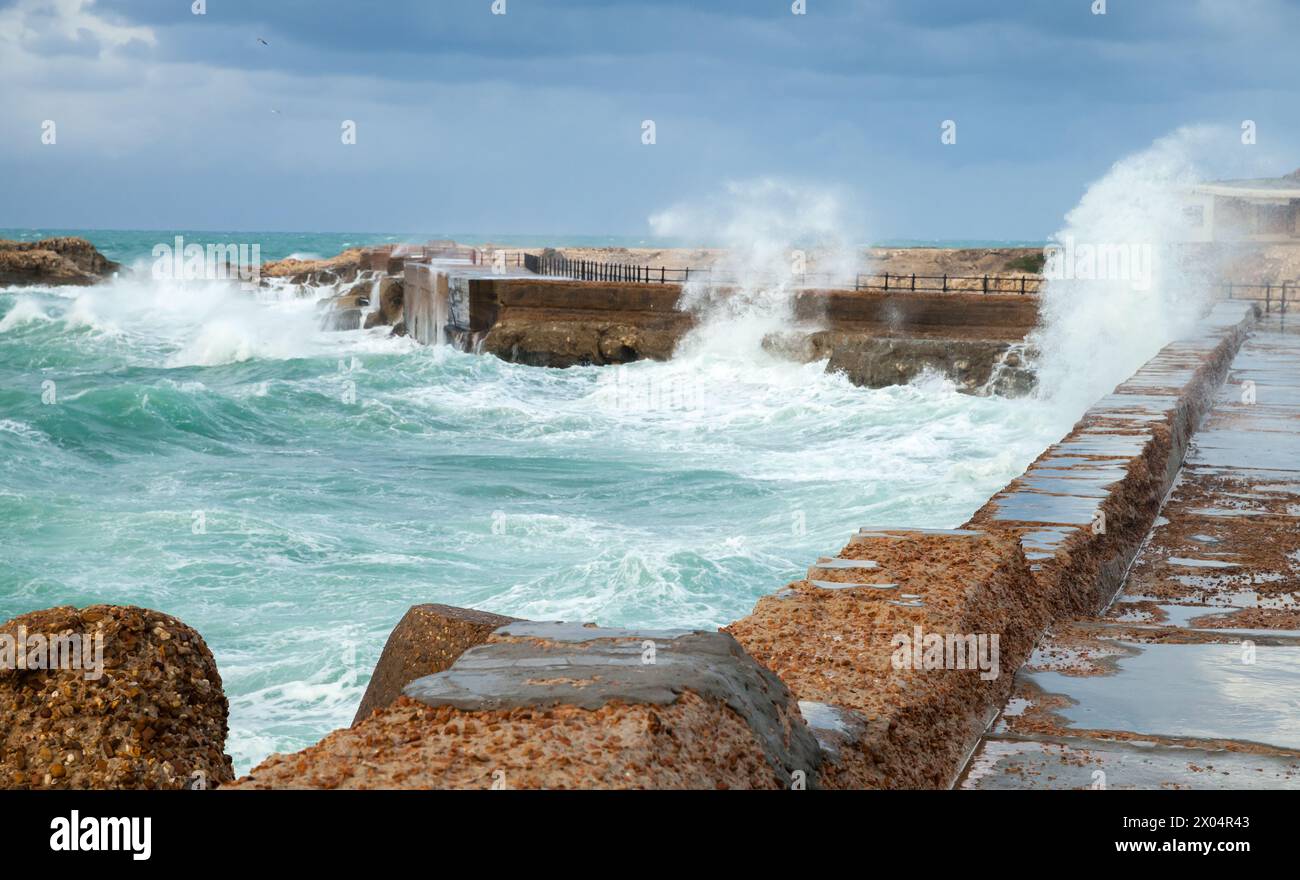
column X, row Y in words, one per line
column 876, row 339
column 453, row 296
column 1207, row 618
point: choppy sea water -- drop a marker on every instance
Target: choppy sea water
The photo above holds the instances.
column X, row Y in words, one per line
column 290, row 493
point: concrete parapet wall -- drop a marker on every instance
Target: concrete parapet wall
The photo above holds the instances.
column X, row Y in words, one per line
column 1004, row 317
column 876, row 339
column 1083, row 507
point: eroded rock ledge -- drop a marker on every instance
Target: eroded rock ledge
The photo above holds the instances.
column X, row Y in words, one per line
column 53, row 262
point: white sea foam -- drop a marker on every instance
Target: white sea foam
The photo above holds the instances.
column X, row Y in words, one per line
column 25, row 310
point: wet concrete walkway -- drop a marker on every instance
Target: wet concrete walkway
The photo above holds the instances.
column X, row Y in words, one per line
column 1191, row 679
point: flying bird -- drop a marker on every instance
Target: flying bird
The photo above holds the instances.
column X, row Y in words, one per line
column 263, row 42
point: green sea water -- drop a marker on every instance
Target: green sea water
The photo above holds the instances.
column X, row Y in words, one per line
column 290, row 492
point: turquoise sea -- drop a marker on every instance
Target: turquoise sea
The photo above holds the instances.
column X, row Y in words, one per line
column 128, row 246
column 290, row 492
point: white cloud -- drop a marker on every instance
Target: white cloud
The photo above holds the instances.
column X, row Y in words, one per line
column 31, row 22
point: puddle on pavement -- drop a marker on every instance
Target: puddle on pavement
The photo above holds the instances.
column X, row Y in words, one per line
column 1203, row 691
column 1080, row 763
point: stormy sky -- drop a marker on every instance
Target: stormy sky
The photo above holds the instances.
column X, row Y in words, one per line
column 532, row 121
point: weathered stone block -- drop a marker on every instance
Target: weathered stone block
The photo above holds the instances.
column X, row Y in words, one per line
column 568, row 706
column 152, row 716
column 428, row 639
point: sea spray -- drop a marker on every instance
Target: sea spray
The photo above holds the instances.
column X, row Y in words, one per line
column 1120, row 283
column 775, row 233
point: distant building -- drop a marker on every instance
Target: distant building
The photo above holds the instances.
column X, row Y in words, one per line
column 1260, row 210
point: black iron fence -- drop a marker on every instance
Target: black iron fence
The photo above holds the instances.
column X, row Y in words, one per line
column 591, row 270
column 1275, row 297
column 1018, row 284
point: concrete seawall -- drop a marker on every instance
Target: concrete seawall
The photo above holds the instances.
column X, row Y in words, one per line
column 1190, row 678
column 876, row 339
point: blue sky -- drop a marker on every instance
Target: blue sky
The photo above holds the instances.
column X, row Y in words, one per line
column 530, row 122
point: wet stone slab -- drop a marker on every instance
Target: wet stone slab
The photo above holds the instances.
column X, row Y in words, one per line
column 1205, row 691
column 1002, row 764
column 1192, row 678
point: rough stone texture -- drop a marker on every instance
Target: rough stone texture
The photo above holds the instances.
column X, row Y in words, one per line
column 391, row 300
column 830, row 639
column 565, row 706
column 428, row 639
column 155, row 719
column 53, row 261
column 975, row 365
column 1083, row 507
column 565, row 324
column 344, row 267
column 575, row 343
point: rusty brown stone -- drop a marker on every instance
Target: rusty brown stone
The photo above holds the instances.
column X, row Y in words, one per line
column 428, row 639
column 155, row 718
column 53, row 261
column 565, row 706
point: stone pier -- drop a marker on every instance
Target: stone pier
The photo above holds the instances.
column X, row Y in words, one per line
column 875, row 338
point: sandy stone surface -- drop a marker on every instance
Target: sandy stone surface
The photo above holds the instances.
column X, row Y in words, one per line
column 344, row 266
column 156, row 718
column 835, row 646
column 693, row 743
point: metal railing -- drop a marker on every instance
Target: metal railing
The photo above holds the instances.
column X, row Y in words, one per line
column 591, row 270
column 1275, row 297
column 1018, row 284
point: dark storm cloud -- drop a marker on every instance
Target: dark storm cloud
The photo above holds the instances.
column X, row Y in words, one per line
column 531, row 120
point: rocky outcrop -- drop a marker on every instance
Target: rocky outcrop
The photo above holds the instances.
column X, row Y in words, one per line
column 53, row 262
column 427, row 640
column 151, row 715
column 974, row 365
column 571, row 343
column 388, row 312
column 342, row 268
column 570, row 706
